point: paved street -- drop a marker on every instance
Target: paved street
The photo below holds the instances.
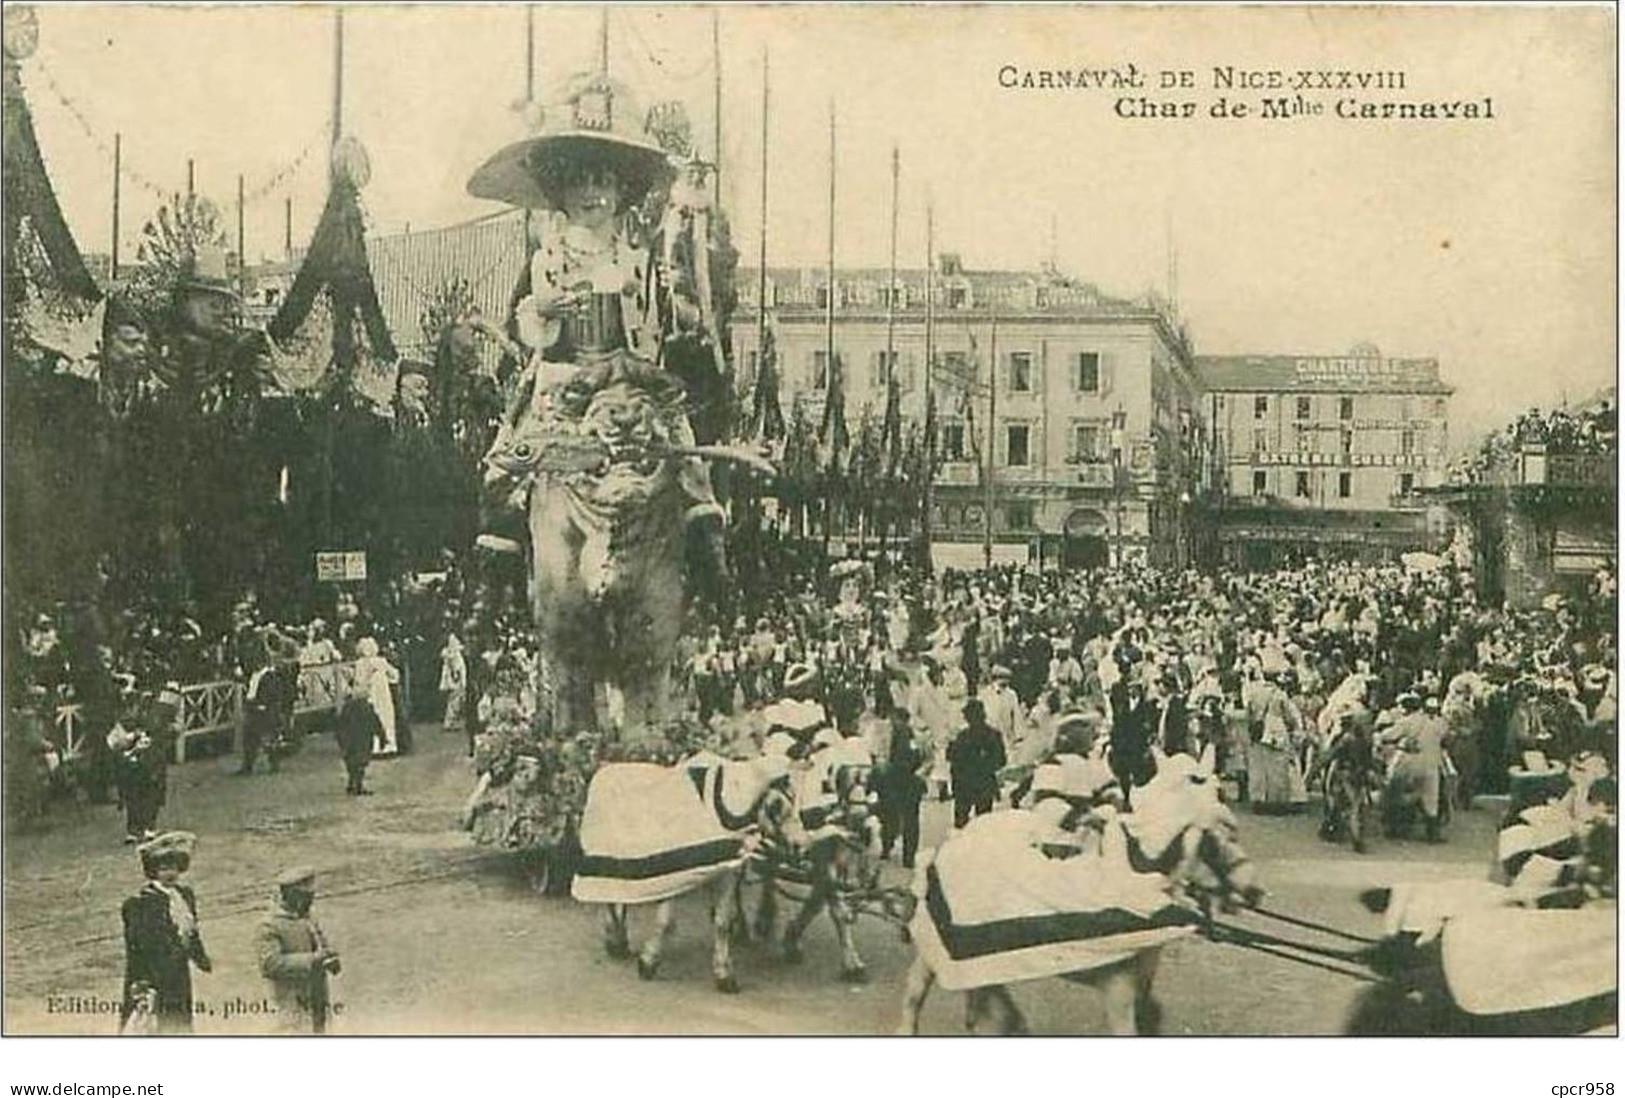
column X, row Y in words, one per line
column 441, row 936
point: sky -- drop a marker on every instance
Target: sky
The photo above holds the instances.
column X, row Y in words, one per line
column 1488, row 244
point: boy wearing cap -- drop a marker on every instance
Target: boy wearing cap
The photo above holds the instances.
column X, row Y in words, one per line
column 294, row 956
column 161, row 937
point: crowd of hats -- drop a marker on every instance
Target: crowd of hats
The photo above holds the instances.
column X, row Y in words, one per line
column 1308, row 627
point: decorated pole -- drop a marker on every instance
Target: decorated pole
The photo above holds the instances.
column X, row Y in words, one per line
column 287, row 227
column 191, row 177
column 118, row 155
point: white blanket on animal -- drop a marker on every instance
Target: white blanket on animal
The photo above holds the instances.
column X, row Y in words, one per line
column 996, row 910
column 1508, row 961
column 648, row 835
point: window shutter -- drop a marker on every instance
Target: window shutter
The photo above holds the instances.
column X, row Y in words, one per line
column 1107, row 369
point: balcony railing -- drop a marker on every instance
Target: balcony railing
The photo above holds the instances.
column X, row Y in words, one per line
column 1533, row 466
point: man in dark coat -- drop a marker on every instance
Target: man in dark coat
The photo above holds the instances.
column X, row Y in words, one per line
column 263, row 709
column 1135, row 718
column 358, row 730
column 901, row 787
column 974, row 760
column 161, row 938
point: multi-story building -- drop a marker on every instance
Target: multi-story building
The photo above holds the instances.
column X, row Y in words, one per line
column 1319, row 455
column 1093, row 418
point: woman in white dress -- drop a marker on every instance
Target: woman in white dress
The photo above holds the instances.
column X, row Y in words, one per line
column 375, row 675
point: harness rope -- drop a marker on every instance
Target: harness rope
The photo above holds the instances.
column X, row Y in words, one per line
column 1278, row 947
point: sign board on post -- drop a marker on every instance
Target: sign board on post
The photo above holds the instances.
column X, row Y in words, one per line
column 341, row 567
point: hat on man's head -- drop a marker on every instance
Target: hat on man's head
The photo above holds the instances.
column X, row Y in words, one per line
column 300, row 875
column 1000, row 671
column 207, row 273
column 594, row 118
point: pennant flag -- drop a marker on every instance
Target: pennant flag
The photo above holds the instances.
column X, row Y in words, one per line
column 767, row 417
column 892, row 427
column 833, row 437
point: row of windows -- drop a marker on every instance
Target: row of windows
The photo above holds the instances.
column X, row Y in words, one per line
column 1020, row 373
column 1011, row 515
column 1307, row 441
column 1089, row 443
column 1302, row 487
column 1304, row 407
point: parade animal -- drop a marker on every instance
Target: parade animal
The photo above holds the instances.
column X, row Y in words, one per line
column 825, row 862
column 652, row 834
column 995, row 910
column 1496, row 970
column 1532, row 956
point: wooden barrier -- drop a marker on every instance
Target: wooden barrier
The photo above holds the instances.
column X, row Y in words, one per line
column 207, row 709
column 212, row 708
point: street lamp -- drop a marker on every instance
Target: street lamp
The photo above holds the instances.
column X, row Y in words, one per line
column 1119, row 443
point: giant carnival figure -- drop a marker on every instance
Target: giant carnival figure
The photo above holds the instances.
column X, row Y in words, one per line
column 596, row 451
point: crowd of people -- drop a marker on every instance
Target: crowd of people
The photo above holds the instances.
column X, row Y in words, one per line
column 98, row 691
column 1593, row 429
column 1242, row 664
column 961, row 683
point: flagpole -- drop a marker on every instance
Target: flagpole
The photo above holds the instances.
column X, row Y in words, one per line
column 930, row 396
column 530, row 53
column 761, row 265
column 338, row 75
column 892, row 429
column 992, row 439
column 716, row 97
column 832, row 392
column 603, row 42
column 118, row 150
column 242, row 248
column 891, row 285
